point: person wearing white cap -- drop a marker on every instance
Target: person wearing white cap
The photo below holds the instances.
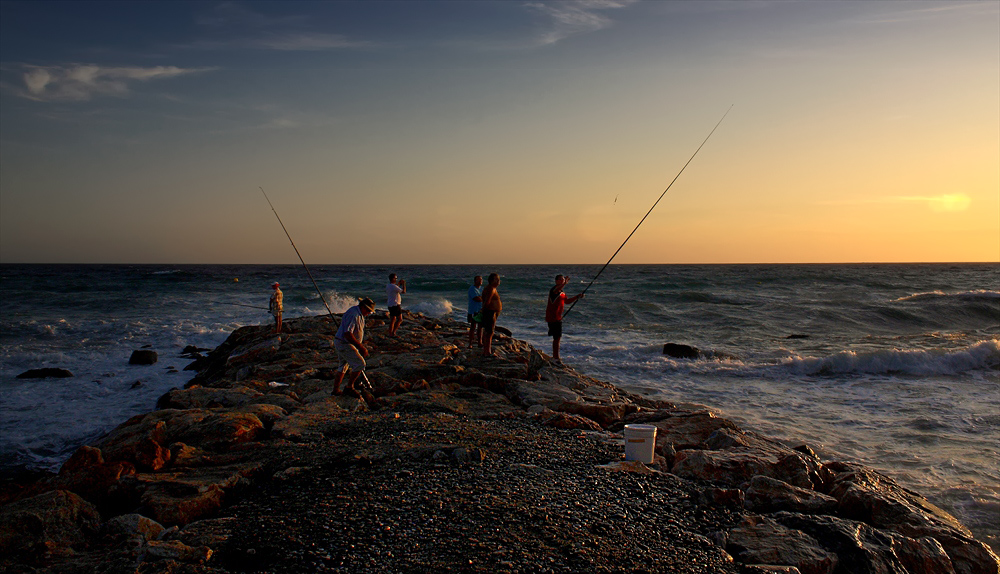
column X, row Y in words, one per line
column 276, row 306
column 349, row 343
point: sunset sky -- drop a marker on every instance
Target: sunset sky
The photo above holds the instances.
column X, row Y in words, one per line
column 499, row 132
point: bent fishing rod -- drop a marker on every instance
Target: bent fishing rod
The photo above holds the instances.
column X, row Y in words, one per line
column 322, row 298
column 650, row 211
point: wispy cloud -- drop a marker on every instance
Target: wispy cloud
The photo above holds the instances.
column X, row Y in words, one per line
column 233, row 25
column 941, row 203
column 572, row 17
column 81, row 82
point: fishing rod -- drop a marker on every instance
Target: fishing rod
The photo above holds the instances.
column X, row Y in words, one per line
column 322, row 298
column 650, row 210
column 240, row 305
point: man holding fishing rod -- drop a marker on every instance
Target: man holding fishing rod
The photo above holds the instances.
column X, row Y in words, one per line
column 554, row 311
column 276, row 306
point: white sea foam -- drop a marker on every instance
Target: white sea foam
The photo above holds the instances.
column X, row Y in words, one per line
column 974, row 295
column 982, row 355
column 433, row 308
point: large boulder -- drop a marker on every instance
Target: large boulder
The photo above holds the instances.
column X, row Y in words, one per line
column 875, row 499
column 862, row 549
column 760, row 540
column 771, row 495
column 143, row 357
column 54, row 523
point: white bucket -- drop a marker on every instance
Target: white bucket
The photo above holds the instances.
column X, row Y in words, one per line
column 640, row 440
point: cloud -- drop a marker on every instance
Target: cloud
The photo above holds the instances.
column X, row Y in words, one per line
column 573, row 17
column 81, row 82
column 940, row 203
column 946, row 202
column 308, row 42
column 241, row 27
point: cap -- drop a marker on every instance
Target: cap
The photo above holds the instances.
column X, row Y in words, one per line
column 274, row 286
column 366, row 303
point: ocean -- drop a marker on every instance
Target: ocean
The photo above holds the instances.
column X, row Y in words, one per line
column 896, row 366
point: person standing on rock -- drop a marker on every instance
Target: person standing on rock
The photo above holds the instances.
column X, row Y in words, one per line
column 394, row 302
column 276, row 306
column 349, row 345
column 475, row 305
column 491, row 308
column 554, row 311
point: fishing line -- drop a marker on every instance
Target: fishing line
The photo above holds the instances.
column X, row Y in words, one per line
column 648, row 212
column 322, row 298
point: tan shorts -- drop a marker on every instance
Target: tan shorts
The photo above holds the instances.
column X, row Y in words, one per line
column 349, row 356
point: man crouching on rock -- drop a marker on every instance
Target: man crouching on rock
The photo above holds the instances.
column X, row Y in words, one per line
column 347, row 342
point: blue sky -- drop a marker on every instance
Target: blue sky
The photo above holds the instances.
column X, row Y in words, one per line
column 499, row 132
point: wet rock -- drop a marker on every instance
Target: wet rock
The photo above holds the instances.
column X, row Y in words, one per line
column 679, row 351
column 143, row 357
column 48, row 372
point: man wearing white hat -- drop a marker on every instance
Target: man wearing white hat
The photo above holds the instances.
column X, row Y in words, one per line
column 349, row 343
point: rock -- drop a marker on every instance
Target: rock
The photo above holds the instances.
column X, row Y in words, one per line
column 463, row 455
column 760, row 540
column 48, row 372
column 55, row 522
column 726, row 497
column 688, row 429
column 770, row 495
column 175, row 550
column 567, row 421
column 863, row 549
column 140, row 441
column 679, row 351
column 88, row 475
column 181, row 502
column 132, row 526
column 254, row 351
column 875, row 499
column 201, row 397
column 142, row 357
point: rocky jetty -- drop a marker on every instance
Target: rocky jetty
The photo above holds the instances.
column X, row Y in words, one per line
column 453, row 462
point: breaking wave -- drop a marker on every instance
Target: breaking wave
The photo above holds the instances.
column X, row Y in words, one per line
column 982, row 355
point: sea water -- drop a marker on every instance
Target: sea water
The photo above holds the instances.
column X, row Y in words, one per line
column 893, row 366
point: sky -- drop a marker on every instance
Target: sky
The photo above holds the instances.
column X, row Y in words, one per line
column 481, row 132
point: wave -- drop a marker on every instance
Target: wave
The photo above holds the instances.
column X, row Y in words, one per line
column 975, row 295
column 434, row 308
column 982, row 355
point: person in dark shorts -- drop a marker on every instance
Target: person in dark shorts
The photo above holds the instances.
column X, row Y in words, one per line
column 491, row 308
column 554, row 311
column 394, row 302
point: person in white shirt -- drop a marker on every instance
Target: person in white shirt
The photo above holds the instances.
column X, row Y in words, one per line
column 349, row 343
column 394, row 302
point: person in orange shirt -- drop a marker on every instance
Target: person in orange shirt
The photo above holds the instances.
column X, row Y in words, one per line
column 554, row 311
